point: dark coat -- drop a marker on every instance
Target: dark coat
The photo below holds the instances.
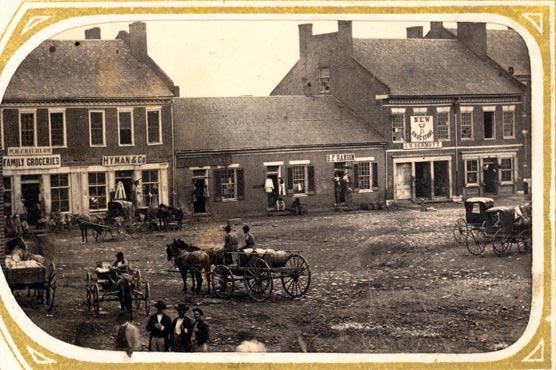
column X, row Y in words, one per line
column 181, row 342
column 156, row 333
column 201, row 332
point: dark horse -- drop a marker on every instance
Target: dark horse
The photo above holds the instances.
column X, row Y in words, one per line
column 190, row 258
column 165, row 213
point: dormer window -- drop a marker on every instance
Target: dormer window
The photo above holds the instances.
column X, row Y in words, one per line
column 324, row 80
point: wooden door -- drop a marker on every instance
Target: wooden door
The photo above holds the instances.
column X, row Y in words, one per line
column 403, row 181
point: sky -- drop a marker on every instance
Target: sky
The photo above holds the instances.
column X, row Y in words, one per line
column 234, row 58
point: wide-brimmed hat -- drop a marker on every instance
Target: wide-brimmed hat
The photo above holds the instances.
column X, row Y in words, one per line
column 228, row 228
column 119, row 254
column 246, row 228
column 182, row 307
column 160, row 304
column 196, row 309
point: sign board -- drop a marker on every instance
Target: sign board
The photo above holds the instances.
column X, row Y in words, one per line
column 422, row 129
column 423, row 145
column 119, row 160
column 29, row 162
column 32, row 150
column 342, row 157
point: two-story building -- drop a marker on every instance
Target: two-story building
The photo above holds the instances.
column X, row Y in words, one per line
column 84, row 121
column 451, row 117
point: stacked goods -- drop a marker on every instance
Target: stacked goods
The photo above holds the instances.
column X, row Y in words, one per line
column 272, row 258
column 24, row 271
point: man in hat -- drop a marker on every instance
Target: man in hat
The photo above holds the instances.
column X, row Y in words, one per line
column 181, row 331
column 249, row 238
column 121, row 264
column 160, row 326
column 230, row 244
column 200, row 332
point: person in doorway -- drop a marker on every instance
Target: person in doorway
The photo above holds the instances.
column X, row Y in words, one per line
column 159, row 326
column 337, row 188
column 181, row 331
column 248, row 237
column 346, row 182
column 230, row 244
column 200, row 332
column 280, row 204
column 281, row 187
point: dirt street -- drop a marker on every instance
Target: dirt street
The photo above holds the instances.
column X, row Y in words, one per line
column 382, row 281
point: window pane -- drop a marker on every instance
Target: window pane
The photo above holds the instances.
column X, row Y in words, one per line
column 27, row 129
column 298, row 179
column 97, row 128
column 488, row 123
column 466, row 125
column 324, row 80
column 125, row 128
column 97, row 190
column 57, row 129
column 227, row 183
column 443, row 125
column 397, row 127
column 364, row 175
column 153, row 123
column 59, row 185
column 508, row 123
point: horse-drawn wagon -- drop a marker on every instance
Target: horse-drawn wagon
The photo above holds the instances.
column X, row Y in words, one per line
column 112, row 284
column 119, row 220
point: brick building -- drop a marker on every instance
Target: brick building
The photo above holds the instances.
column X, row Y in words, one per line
column 79, row 117
column 232, row 152
column 453, row 118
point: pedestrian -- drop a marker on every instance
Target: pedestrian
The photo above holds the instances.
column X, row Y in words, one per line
column 83, row 227
column 160, row 326
column 181, row 331
column 200, row 332
column 337, row 188
column 230, row 244
column 248, row 237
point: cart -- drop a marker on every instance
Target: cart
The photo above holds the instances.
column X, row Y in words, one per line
column 506, row 227
column 39, row 277
column 118, row 221
column 258, row 269
column 107, row 286
column 470, row 230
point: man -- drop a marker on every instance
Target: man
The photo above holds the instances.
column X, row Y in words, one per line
column 181, row 331
column 230, row 244
column 121, row 264
column 249, row 238
column 159, row 326
column 200, row 332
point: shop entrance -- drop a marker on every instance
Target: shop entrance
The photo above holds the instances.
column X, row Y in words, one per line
column 199, row 191
column 271, row 186
column 490, row 175
column 423, row 179
column 126, row 178
column 30, row 197
column 441, row 179
column 403, row 181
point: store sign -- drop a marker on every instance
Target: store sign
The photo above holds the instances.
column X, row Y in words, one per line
column 423, row 145
column 35, row 150
column 118, row 160
column 342, row 157
column 29, row 162
column 422, row 129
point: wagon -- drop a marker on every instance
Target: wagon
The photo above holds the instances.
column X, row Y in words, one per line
column 106, row 287
column 118, row 221
column 470, row 230
column 258, row 269
column 39, row 277
column 506, row 227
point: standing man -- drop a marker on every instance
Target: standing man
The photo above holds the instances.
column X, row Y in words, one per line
column 159, row 326
column 249, row 238
column 181, row 331
column 200, row 334
column 337, row 188
column 230, row 244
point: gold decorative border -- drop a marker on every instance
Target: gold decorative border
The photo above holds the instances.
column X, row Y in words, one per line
column 536, row 17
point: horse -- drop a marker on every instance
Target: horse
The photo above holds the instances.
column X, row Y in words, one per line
column 188, row 257
column 167, row 212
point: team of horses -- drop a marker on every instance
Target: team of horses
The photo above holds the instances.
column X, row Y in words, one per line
column 164, row 214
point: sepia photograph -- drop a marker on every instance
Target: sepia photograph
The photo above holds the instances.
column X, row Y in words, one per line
column 318, row 186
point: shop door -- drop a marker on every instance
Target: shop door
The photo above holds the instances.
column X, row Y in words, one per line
column 126, row 178
column 490, row 176
column 441, row 179
column 403, row 181
column 339, row 192
column 423, row 180
column 199, row 199
column 271, row 187
column 30, row 197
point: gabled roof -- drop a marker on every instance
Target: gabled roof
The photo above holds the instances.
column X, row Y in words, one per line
column 430, row 67
column 266, row 122
column 84, row 69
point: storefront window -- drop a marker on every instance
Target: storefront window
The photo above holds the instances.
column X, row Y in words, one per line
column 7, row 196
column 506, row 169
column 298, row 176
column 59, row 190
column 150, row 188
column 97, row 190
column 228, row 183
column 471, row 172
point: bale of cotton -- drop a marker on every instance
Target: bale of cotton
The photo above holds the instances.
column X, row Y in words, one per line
column 251, row 346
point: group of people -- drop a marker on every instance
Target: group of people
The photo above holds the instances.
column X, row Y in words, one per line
column 231, row 241
column 182, row 334
column 342, row 187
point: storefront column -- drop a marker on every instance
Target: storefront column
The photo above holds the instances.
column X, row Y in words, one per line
column 45, row 194
column 111, row 181
column 75, row 192
column 163, row 187
column 84, row 193
column 16, row 191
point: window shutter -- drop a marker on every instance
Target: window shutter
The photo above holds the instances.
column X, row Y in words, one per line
column 356, row 176
column 240, row 184
column 375, row 174
column 217, row 187
column 290, row 181
column 311, row 179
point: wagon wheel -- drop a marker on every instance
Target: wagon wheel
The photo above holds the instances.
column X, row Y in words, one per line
column 524, row 241
column 51, row 287
column 223, row 282
column 147, row 297
column 477, row 245
column 460, row 230
column 502, row 243
column 95, row 297
column 258, row 279
column 297, row 279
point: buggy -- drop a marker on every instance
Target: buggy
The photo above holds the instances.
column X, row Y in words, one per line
column 506, row 227
column 470, row 230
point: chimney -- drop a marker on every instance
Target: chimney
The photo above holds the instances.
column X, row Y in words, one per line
column 436, row 26
column 305, row 34
column 92, row 33
column 473, row 35
column 138, row 40
column 345, row 37
column 415, row 32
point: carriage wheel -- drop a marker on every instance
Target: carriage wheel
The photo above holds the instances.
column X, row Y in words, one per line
column 258, row 279
column 502, row 243
column 223, row 282
column 95, row 296
column 89, row 291
column 524, row 241
column 147, row 297
column 476, row 244
column 297, row 280
column 460, row 230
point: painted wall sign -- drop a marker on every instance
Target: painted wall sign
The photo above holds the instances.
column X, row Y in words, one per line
column 35, row 150
column 422, row 129
column 29, row 162
column 118, row 160
column 423, row 145
column 342, row 157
